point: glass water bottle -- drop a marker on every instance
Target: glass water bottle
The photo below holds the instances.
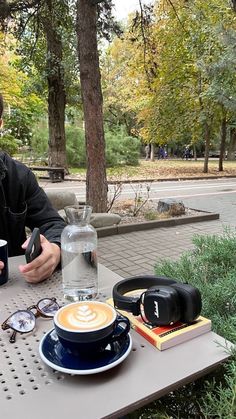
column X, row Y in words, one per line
column 79, row 255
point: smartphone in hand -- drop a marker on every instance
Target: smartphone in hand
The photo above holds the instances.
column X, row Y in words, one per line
column 33, row 249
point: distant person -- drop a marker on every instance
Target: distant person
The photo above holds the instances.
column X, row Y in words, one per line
column 187, row 153
column 161, row 153
column 147, row 152
column 24, row 204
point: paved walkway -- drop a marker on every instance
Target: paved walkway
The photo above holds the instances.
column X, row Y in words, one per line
column 137, row 252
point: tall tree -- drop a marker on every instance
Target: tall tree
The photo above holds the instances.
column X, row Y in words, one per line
column 96, row 182
column 51, row 22
column 37, row 18
column 189, row 72
column 232, row 142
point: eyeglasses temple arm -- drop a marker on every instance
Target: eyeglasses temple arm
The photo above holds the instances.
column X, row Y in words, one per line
column 4, row 325
column 13, row 337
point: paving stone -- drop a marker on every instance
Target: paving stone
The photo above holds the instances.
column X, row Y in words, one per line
column 122, row 273
column 137, row 252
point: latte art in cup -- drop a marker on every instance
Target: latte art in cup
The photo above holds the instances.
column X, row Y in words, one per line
column 89, row 326
column 86, row 316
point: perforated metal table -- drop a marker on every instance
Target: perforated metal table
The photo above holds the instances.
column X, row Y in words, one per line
column 29, row 389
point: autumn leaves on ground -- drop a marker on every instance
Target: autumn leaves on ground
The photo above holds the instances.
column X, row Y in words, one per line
column 160, row 169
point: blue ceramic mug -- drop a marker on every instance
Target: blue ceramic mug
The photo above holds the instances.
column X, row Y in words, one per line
column 4, row 259
column 89, row 326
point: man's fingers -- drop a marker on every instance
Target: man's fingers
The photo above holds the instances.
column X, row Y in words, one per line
column 44, row 265
column 25, row 244
column 36, row 263
column 42, row 272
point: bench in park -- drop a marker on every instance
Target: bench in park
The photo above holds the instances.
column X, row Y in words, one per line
column 56, row 174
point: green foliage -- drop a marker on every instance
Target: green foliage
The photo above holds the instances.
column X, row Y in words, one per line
column 75, row 146
column 173, row 72
column 39, row 140
column 121, row 149
column 23, row 117
column 9, row 144
column 222, row 398
column 211, row 267
column 151, row 215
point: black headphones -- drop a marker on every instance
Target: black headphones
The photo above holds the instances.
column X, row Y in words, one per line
column 164, row 301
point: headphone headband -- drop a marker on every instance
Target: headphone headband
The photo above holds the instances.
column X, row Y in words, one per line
column 132, row 304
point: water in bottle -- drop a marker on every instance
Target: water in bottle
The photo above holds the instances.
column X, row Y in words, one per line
column 79, row 255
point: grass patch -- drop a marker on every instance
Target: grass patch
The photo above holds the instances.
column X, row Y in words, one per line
column 211, row 267
column 76, row 170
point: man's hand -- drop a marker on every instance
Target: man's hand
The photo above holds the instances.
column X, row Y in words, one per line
column 44, row 265
column 1, row 266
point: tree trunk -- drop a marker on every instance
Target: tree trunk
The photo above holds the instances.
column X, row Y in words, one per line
column 207, row 147
column 90, row 78
column 152, row 156
column 232, row 145
column 222, row 143
column 56, row 90
column 194, row 152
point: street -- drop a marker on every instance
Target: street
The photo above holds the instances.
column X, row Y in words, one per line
column 136, row 253
column 215, row 195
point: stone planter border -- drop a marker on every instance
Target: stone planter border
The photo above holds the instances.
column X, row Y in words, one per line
column 150, row 180
column 170, row 222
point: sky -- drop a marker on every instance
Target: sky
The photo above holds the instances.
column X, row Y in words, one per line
column 124, row 7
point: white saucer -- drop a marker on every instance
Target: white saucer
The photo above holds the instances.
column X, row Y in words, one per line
column 57, row 357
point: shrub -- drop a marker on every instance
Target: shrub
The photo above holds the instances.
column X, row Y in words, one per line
column 75, row 146
column 121, row 149
column 39, row 140
column 210, row 267
column 9, row 144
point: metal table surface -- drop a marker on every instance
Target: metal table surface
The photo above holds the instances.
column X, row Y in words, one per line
column 30, row 389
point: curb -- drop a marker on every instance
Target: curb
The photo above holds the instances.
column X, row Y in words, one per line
column 175, row 221
column 114, row 182
column 172, row 179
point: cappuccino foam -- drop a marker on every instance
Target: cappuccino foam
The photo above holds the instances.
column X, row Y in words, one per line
column 85, row 316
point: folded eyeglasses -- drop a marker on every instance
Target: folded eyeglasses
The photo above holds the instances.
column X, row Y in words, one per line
column 23, row 321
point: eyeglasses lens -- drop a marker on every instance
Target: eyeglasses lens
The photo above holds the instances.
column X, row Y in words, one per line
column 48, row 307
column 22, row 321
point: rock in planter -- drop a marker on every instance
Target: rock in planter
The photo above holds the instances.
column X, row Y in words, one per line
column 61, row 199
column 98, row 219
column 104, row 219
column 173, row 206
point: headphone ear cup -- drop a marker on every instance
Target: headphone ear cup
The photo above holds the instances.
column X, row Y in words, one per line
column 190, row 302
column 132, row 303
column 161, row 305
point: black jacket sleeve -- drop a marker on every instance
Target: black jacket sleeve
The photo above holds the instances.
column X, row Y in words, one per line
column 23, row 203
column 40, row 212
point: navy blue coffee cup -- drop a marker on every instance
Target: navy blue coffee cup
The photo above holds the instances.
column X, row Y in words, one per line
column 4, row 259
column 87, row 327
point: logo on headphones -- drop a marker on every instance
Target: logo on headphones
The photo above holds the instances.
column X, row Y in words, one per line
column 156, row 311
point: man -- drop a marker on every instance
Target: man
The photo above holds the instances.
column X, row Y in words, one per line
column 147, row 152
column 24, row 204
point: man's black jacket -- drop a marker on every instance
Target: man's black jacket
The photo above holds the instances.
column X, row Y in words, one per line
column 24, row 204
